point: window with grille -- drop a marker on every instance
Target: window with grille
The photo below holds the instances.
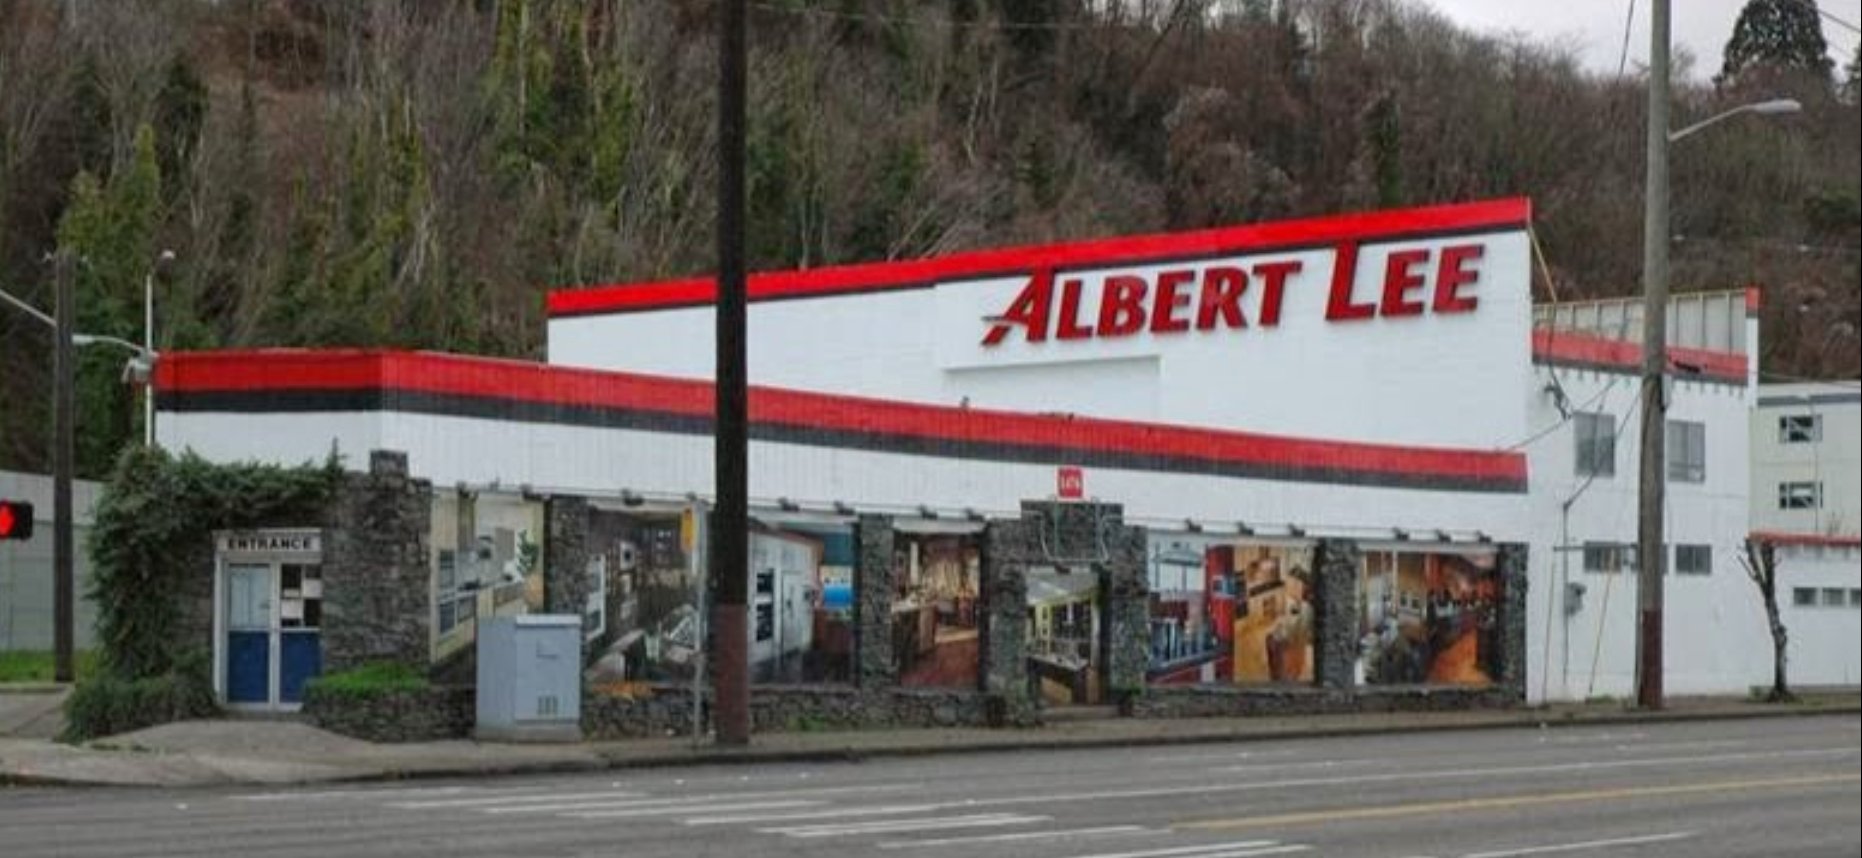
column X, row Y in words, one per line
column 1693, row 560
column 1800, row 495
column 1596, row 444
column 1687, row 451
column 1800, row 429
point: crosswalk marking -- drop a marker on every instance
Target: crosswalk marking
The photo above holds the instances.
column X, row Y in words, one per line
column 1023, row 836
column 988, row 820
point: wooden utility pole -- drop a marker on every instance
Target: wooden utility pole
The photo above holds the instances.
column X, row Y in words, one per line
column 730, row 560
column 1651, row 554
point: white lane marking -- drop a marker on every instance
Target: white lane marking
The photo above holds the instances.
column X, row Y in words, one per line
column 693, row 803
column 1254, row 853
column 1679, row 746
column 570, row 800
column 1203, row 758
column 882, row 810
column 487, row 801
column 1585, row 846
column 1591, row 738
column 1322, row 764
column 1022, row 836
column 379, row 793
column 670, row 810
column 1190, row 851
column 1448, row 774
column 987, row 820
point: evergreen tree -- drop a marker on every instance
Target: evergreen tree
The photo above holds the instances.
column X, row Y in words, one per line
column 180, row 110
column 110, row 230
column 1780, row 34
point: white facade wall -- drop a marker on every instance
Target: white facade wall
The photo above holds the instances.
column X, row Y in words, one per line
column 604, row 462
column 1445, row 380
column 1833, row 461
column 1825, row 644
column 1715, row 639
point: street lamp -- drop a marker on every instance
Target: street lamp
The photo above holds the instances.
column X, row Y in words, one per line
column 1763, row 108
column 144, row 363
column 1651, row 557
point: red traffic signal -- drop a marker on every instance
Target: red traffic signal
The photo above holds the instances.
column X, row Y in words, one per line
column 15, row 520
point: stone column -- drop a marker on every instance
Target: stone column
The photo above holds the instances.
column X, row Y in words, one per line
column 377, row 603
column 1511, row 662
column 874, row 665
column 566, row 584
column 1004, row 610
column 1335, row 602
column 1127, row 610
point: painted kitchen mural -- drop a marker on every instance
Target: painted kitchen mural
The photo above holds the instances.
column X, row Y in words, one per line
column 651, row 630
column 487, row 561
column 1428, row 618
column 1230, row 611
column 935, row 615
column 1065, row 656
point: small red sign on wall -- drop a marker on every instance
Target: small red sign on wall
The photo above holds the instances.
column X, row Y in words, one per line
column 1072, row 483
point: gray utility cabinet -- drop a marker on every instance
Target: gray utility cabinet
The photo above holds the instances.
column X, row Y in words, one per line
column 530, row 678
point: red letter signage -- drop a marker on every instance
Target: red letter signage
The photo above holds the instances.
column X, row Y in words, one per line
column 1029, row 309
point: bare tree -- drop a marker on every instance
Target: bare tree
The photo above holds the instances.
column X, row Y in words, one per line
column 1761, row 562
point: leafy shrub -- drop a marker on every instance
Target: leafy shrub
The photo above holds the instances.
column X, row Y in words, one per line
column 382, row 677
column 108, row 705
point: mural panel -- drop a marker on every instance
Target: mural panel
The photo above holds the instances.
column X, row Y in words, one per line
column 1428, row 619
column 936, row 638
column 1230, row 612
column 487, row 561
column 1065, row 633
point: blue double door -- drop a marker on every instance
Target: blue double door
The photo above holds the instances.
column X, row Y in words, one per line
column 272, row 648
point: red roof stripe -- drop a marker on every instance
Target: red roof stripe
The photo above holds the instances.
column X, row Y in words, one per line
column 1779, row 537
column 1586, row 349
column 299, row 370
column 881, row 276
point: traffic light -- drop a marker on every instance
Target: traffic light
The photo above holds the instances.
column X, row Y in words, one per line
column 15, row 520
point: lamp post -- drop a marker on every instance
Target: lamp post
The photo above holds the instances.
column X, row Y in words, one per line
column 1651, row 558
column 147, row 358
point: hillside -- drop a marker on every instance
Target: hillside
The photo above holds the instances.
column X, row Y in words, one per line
column 419, row 173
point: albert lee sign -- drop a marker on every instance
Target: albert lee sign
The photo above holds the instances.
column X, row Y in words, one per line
column 1233, row 295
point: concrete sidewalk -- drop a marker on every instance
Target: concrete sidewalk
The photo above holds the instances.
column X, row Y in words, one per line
column 221, row 752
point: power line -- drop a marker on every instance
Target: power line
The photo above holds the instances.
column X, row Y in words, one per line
column 914, row 20
column 1629, row 23
column 1833, row 18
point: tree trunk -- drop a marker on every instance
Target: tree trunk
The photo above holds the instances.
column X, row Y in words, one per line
column 1780, row 688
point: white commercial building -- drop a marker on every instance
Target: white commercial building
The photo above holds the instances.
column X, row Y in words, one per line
column 1377, row 377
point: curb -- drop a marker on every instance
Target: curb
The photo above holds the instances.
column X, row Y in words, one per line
column 1025, row 744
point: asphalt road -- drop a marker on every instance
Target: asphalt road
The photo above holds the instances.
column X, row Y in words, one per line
column 1771, row 788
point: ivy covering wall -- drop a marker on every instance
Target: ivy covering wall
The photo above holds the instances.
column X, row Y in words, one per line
column 151, row 548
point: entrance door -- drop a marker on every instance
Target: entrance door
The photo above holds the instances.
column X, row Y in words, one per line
column 300, row 614
column 249, row 633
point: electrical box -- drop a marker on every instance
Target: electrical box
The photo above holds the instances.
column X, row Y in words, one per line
column 530, row 678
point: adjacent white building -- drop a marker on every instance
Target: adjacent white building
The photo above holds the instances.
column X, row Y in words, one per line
column 1807, row 501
